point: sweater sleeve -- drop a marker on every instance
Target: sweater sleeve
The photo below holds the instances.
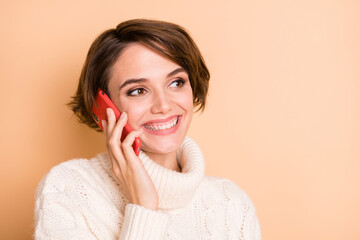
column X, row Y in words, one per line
column 62, row 213
column 244, row 211
column 251, row 225
column 56, row 216
column 142, row 223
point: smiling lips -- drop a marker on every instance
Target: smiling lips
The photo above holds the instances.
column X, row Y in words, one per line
column 163, row 126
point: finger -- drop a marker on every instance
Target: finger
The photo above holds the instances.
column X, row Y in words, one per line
column 126, row 145
column 114, row 162
column 113, row 131
column 111, row 120
column 117, row 130
column 114, row 141
column 114, row 138
column 105, row 129
column 104, row 125
column 115, row 166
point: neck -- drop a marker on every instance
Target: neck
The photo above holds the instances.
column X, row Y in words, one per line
column 167, row 160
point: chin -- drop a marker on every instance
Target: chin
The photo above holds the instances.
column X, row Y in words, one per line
column 161, row 144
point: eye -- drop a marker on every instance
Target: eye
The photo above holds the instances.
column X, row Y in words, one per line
column 136, row 92
column 177, row 83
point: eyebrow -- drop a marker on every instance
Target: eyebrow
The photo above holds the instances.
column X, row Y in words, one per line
column 175, row 72
column 140, row 80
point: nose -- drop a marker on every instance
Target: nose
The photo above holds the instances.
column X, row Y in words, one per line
column 160, row 103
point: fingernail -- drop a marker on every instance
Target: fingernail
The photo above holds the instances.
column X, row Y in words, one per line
column 103, row 122
column 108, row 111
column 123, row 115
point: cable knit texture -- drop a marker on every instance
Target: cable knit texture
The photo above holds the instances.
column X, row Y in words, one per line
column 80, row 199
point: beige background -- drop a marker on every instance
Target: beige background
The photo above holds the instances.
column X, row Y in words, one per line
column 283, row 119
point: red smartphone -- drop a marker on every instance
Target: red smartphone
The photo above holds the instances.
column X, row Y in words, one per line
column 102, row 102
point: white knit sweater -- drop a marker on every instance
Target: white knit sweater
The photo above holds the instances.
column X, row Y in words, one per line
column 80, row 199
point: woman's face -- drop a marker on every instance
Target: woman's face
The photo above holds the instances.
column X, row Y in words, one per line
column 156, row 94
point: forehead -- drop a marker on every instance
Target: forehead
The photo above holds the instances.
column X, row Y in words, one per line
column 140, row 61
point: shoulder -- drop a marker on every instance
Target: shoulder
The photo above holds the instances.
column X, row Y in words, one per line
column 55, row 191
column 228, row 194
column 61, row 176
column 71, row 199
column 225, row 186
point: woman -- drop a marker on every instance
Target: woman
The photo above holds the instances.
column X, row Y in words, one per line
column 155, row 75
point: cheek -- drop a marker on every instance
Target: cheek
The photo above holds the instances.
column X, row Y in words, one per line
column 186, row 101
column 135, row 112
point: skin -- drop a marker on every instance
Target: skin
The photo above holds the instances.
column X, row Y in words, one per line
column 161, row 91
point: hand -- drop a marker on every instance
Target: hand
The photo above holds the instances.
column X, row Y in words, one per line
column 128, row 168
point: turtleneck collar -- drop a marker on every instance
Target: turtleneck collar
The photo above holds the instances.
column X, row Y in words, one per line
column 176, row 189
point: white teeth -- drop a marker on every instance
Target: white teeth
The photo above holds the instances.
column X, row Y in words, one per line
column 162, row 126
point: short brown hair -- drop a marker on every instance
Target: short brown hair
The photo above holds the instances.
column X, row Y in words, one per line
column 168, row 39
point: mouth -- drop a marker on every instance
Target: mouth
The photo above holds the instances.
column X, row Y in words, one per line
column 164, row 126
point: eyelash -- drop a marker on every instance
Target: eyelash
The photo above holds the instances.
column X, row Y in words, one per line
column 180, row 80
column 130, row 92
